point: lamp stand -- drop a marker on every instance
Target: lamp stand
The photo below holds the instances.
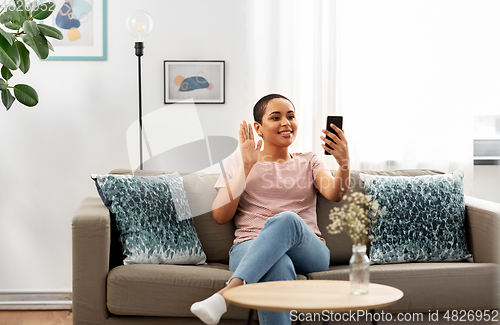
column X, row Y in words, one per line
column 139, row 51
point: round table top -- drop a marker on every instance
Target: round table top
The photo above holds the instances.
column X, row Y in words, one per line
column 310, row 296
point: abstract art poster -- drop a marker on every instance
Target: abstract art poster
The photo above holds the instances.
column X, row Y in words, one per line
column 84, row 27
column 202, row 81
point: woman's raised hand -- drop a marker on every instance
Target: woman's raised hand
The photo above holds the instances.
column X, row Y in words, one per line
column 249, row 152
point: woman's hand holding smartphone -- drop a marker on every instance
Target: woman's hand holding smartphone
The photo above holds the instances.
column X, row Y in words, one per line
column 337, row 121
column 335, row 141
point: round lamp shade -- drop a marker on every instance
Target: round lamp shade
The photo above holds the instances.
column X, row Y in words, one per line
column 139, row 25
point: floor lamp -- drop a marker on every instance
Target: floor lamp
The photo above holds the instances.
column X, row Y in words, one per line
column 139, row 25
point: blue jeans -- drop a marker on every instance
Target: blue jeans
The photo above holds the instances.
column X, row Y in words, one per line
column 284, row 247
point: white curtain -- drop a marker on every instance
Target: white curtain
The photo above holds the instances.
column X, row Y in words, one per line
column 407, row 76
column 413, row 74
column 292, row 52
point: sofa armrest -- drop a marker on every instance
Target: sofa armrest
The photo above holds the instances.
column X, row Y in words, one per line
column 483, row 226
column 91, row 244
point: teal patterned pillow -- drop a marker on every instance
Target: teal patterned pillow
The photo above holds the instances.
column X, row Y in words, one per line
column 424, row 220
column 153, row 218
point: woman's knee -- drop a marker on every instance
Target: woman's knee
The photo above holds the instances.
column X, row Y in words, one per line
column 282, row 270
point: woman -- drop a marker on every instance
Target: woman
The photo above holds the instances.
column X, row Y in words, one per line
column 273, row 202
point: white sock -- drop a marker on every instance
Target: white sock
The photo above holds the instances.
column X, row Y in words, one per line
column 211, row 309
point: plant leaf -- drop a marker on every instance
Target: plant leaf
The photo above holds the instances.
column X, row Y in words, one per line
column 6, row 35
column 50, row 31
column 31, row 28
column 38, row 44
column 12, row 26
column 7, row 98
column 26, row 95
column 9, row 55
column 44, row 10
column 25, row 63
column 17, row 15
column 49, row 44
column 5, row 17
column 3, row 85
column 6, row 74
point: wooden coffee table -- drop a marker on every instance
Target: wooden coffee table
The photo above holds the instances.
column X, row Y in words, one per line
column 310, row 296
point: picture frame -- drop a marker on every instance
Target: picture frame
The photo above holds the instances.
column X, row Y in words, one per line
column 202, row 81
column 84, row 30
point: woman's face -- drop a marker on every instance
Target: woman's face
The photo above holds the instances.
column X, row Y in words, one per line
column 279, row 126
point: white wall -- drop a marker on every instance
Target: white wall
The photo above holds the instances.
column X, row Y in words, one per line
column 48, row 152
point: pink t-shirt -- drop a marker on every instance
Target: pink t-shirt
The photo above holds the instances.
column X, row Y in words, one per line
column 272, row 188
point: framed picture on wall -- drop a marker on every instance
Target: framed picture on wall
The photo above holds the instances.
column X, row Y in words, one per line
column 202, row 81
column 84, row 26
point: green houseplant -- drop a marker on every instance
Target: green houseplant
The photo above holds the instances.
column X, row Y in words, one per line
column 19, row 30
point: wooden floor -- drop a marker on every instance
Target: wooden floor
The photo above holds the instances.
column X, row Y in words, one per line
column 37, row 317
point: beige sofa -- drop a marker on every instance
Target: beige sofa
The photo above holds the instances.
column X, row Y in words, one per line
column 105, row 292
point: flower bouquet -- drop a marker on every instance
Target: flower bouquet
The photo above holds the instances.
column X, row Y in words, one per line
column 359, row 215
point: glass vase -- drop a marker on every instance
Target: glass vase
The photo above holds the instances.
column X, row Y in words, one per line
column 359, row 270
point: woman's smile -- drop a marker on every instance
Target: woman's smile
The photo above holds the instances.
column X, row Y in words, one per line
column 286, row 133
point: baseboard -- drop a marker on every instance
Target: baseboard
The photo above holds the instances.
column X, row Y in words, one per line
column 35, row 300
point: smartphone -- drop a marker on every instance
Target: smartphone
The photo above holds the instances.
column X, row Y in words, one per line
column 337, row 120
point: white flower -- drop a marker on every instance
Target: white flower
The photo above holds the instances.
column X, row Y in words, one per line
column 359, row 215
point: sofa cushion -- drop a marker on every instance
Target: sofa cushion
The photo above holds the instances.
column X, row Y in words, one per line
column 432, row 286
column 141, row 289
column 424, row 220
column 153, row 227
column 340, row 245
column 216, row 239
